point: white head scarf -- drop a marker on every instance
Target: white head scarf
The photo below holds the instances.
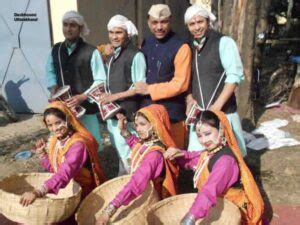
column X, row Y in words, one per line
column 123, row 22
column 197, row 10
column 77, row 18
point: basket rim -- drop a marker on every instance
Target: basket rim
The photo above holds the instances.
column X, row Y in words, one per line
column 169, row 199
column 78, row 192
column 172, row 198
column 83, row 202
column 95, row 190
column 106, row 183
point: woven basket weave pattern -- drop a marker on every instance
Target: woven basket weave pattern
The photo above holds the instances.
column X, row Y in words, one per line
column 50, row 209
column 132, row 214
column 171, row 210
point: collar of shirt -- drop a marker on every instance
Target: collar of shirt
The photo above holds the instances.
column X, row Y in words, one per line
column 199, row 43
column 71, row 47
column 117, row 52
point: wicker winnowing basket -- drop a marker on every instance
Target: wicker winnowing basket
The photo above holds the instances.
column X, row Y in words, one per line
column 170, row 211
column 132, row 214
column 50, row 209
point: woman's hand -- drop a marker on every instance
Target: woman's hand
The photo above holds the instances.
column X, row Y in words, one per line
column 28, row 198
column 122, row 121
column 39, row 147
column 173, row 153
column 102, row 219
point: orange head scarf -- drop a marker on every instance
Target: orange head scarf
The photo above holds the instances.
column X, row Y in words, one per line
column 90, row 141
column 250, row 187
column 71, row 118
column 159, row 119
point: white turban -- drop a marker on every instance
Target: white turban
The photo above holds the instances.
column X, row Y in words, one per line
column 123, row 22
column 160, row 11
column 197, row 10
column 77, row 18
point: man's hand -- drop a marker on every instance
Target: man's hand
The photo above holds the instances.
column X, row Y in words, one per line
column 141, row 88
column 215, row 107
column 190, row 101
column 107, row 98
column 53, row 90
column 76, row 100
column 108, row 49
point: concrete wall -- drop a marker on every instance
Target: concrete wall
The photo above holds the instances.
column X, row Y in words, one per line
column 98, row 12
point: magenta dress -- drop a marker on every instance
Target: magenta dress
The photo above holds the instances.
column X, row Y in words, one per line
column 224, row 174
column 75, row 158
column 150, row 168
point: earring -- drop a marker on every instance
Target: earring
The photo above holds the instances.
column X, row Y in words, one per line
column 223, row 141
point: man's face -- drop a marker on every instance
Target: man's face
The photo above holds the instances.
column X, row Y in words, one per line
column 71, row 30
column 198, row 26
column 117, row 36
column 159, row 27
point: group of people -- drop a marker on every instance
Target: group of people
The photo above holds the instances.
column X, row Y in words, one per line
column 156, row 85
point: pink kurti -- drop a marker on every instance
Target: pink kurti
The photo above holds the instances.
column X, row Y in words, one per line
column 150, row 168
column 224, row 174
column 75, row 158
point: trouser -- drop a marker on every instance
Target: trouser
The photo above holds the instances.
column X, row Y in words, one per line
column 120, row 144
column 91, row 123
column 179, row 134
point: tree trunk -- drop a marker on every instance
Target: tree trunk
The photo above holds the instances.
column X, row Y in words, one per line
column 239, row 22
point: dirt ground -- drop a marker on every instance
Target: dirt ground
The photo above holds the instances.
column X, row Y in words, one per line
column 276, row 171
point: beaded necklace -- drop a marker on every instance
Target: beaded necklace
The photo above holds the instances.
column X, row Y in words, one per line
column 201, row 164
column 60, row 144
column 136, row 163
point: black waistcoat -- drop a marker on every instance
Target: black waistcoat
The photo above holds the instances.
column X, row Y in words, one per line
column 210, row 70
column 119, row 77
column 76, row 69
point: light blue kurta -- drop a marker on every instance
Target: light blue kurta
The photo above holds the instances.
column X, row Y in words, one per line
column 232, row 64
column 138, row 73
column 89, row 121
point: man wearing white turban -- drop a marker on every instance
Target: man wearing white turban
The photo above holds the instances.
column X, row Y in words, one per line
column 78, row 64
column 126, row 65
column 217, row 70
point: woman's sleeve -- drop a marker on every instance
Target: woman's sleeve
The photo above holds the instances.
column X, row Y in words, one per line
column 75, row 159
column 151, row 167
column 45, row 163
column 189, row 160
column 224, row 174
column 132, row 141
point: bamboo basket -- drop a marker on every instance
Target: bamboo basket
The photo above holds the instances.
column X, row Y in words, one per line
column 100, row 197
column 170, row 211
column 49, row 209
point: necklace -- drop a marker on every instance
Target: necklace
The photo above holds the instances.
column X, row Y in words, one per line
column 204, row 162
column 214, row 150
column 136, row 162
column 60, row 144
column 150, row 142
